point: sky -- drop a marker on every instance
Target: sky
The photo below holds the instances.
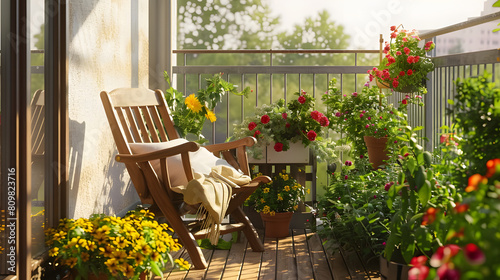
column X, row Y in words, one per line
column 364, row 20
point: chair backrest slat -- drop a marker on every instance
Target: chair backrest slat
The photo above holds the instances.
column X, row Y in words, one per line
column 140, row 122
column 149, row 124
column 132, row 125
column 158, row 123
column 124, row 124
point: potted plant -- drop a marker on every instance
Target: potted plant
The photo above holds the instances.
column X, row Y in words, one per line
column 366, row 114
column 111, row 247
column 276, row 202
column 189, row 113
column 470, row 230
column 281, row 124
column 404, row 66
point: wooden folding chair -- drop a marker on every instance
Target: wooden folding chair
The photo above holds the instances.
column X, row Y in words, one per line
column 141, row 116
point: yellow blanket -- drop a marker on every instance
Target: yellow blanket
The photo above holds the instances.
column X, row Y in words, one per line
column 213, row 192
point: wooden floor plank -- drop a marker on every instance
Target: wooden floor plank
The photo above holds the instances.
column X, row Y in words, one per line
column 251, row 264
column 177, row 274
column 354, row 265
column 268, row 263
column 304, row 267
column 286, row 267
column 235, row 261
column 197, row 274
column 217, row 264
column 320, row 265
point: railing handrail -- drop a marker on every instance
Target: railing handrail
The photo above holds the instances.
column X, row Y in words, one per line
column 271, row 51
column 460, row 26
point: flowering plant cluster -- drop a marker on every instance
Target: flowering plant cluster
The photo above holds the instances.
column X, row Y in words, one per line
column 282, row 194
column 190, row 113
column 279, row 124
column 470, row 230
column 405, row 65
column 365, row 113
column 122, row 248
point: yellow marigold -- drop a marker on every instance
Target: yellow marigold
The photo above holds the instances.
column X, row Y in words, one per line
column 54, row 252
column 265, row 190
column 183, row 265
column 266, row 209
column 280, row 197
column 285, row 177
column 193, row 103
column 210, row 116
column 287, row 188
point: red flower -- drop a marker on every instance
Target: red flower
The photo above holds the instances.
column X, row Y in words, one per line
column 461, row 207
column 394, row 35
column 446, row 272
column 395, row 83
column 284, row 115
column 419, row 271
column 407, row 50
column 265, row 119
column 443, row 254
column 287, row 125
column 278, row 147
column 410, row 59
column 404, row 101
column 402, row 73
column 393, row 28
column 311, row 135
column 410, row 72
column 416, row 59
column 398, row 53
column 302, row 99
column 324, row 121
column 256, row 133
column 473, row 254
column 251, row 126
column 315, row 115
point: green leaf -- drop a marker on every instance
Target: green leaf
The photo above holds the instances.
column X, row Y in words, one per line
column 390, row 245
column 424, row 239
column 451, row 102
column 411, row 165
column 418, row 128
column 359, row 219
column 155, row 269
column 374, row 220
column 416, row 217
column 424, row 192
column 496, row 4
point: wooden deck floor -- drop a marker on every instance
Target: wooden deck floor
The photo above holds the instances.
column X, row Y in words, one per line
column 299, row 256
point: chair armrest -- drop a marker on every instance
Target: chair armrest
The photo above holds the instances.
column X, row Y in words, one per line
column 247, row 141
column 168, row 152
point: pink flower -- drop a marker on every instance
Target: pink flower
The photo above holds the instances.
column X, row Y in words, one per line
column 302, row 99
column 278, row 147
column 369, row 118
column 407, row 50
column 473, row 254
column 354, row 94
column 315, row 115
column 444, row 253
column 251, row 126
column 265, row 119
column 311, row 135
column 284, row 116
column 361, row 156
column 445, row 272
column 398, row 53
column 346, row 177
column 361, row 115
column 338, row 114
column 375, row 196
column 348, row 163
column 367, row 126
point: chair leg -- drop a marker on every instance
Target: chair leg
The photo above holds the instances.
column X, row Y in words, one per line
column 188, row 241
column 249, row 230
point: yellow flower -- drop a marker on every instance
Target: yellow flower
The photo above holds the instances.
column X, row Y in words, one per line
column 184, row 265
column 266, row 209
column 308, row 191
column 211, row 116
column 287, row 188
column 85, row 256
column 54, row 252
column 128, row 271
column 138, row 258
column 295, row 207
column 193, row 103
column 262, row 200
column 280, row 197
column 265, row 190
column 272, row 213
column 156, row 256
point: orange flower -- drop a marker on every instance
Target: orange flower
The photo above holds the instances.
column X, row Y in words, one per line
column 461, row 207
column 429, row 216
column 474, row 182
column 493, row 166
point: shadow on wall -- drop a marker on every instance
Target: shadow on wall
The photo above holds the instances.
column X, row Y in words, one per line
column 75, row 164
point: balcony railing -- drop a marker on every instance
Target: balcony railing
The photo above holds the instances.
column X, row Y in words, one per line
column 272, row 80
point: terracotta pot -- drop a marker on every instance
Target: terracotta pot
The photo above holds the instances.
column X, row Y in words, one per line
column 393, row 271
column 277, row 226
column 377, row 152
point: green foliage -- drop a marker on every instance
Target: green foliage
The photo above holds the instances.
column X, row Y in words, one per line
column 366, row 113
column 354, row 210
column 189, row 113
column 475, row 111
column 420, row 198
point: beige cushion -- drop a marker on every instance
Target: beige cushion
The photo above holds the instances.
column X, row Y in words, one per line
column 202, row 160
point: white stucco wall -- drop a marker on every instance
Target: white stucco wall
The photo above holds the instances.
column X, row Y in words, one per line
column 107, row 49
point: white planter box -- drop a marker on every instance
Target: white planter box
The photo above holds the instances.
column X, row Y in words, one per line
column 296, row 154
